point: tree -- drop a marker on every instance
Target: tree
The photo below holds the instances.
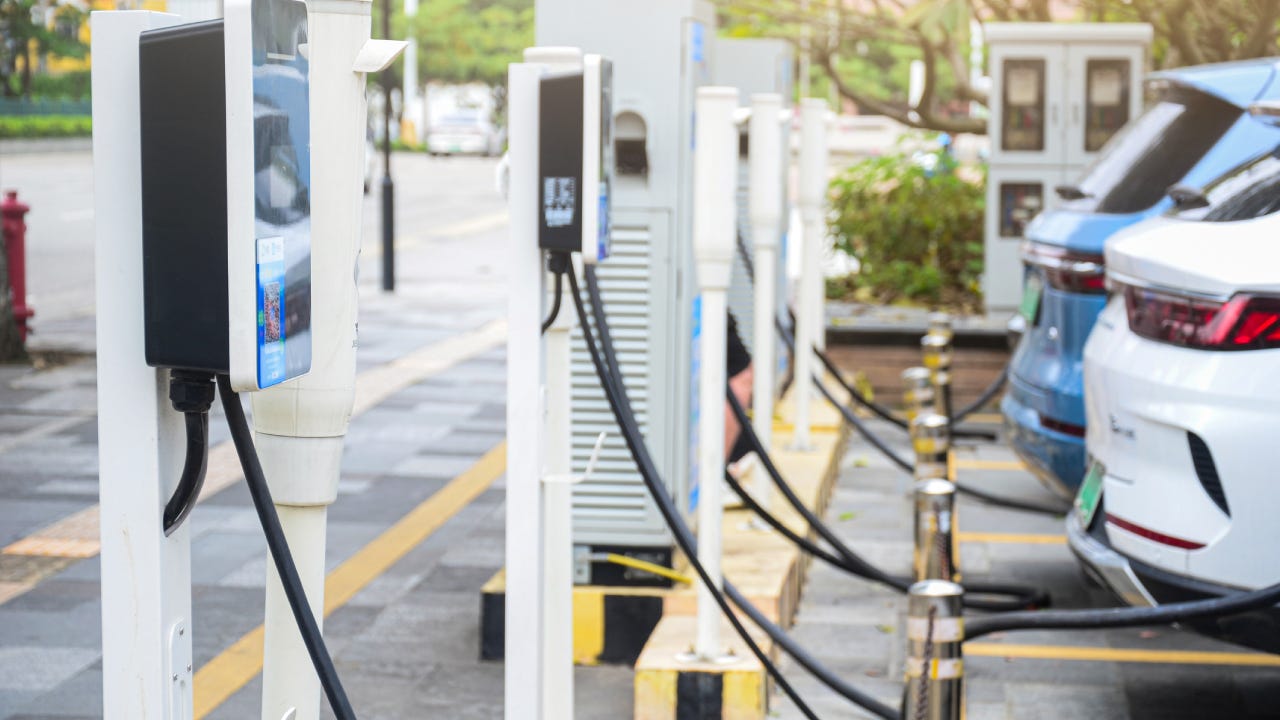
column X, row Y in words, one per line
column 862, row 47
column 25, row 35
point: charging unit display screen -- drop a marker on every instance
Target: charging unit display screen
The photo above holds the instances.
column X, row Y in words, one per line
column 281, row 190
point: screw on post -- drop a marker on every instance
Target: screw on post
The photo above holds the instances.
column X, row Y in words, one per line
column 917, row 394
column 934, row 662
column 935, row 556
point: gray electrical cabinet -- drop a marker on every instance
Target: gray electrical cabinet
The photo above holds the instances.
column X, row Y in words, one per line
column 756, row 65
column 661, row 50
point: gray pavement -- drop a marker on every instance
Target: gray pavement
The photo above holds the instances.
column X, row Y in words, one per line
column 407, row 645
column 857, row 629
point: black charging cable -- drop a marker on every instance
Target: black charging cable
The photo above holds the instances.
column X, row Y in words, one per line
column 557, row 264
column 278, row 545
column 621, row 408
column 191, row 393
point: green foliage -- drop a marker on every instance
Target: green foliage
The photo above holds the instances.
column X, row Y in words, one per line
column 65, row 86
column 916, row 232
column 22, row 24
column 462, row 41
column 44, row 126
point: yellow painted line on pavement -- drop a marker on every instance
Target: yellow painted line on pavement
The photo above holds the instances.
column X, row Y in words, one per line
column 985, row 418
column 235, row 667
column 786, row 427
column 1011, row 538
column 1124, row 655
column 975, row 464
column 77, row 535
column 473, row 226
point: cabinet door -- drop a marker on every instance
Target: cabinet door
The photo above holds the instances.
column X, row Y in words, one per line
column 1015, row 195
column 1104, row 92
column 1027, row 104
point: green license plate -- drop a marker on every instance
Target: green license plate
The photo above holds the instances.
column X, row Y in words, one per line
column 1031, row 293
column 1090, row 494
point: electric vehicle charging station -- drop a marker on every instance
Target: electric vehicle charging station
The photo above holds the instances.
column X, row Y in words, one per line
column 205, row 260
column 560, row 192
column 649, row 279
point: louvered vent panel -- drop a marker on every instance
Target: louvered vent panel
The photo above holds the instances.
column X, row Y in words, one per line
column 741, row 292
column 613, row 506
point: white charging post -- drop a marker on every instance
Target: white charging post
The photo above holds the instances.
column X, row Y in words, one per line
column 809, row 324
column 146, row 577
column 300, row 426
column 765, row 210
column 715, row 173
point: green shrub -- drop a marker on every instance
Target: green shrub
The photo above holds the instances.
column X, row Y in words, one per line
column 45, row 126
column 73, row 85
column 916, row 232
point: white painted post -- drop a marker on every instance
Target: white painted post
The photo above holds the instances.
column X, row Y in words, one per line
column 146, row 577
column 525, row 448
column 813, row 207
column 765, row 197
column 299, row 426
column 557, row 523
column 413, row 116
column 715, row 172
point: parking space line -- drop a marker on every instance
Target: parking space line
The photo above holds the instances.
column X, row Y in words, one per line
column 1124, row 655
column 1011, row 538
column 235, row 667
column 986, row 418
column 77, row 535
column 975, row 464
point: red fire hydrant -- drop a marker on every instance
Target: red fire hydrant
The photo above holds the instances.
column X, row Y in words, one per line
column 13, row 214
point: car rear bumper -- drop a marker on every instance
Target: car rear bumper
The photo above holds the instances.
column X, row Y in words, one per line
column 1056, row 459
column 1105, row 565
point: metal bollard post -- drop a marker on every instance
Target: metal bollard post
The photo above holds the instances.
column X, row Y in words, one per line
column 935, row 556
column 938, row 354
column 935, row 656
column 917, row 394
column 931, row 440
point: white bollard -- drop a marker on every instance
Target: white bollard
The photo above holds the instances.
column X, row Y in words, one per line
column 146, row 577
column 299, row 426
column 813, row 208
column 766, row 191
column 715, row 172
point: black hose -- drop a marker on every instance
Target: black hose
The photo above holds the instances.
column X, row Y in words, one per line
column 621, row 407
column 861, row 427
column 191, row 393
column 1124, row 617
column 1020, row 597
column 555, row 305
column 987, row 395
column 279, row 547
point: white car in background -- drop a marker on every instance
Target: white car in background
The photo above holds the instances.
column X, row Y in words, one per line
column 1182, row 398
column 465, row 132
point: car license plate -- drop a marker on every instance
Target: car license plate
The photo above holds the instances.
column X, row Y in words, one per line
column 1090, row 494
column 1031, row 292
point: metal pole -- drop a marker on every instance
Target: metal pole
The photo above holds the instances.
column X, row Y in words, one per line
column 146, row 577
column 715, row 168
column 934, row 556
column 812, row 188
column 938, row 352
column 525, row 446
column 917, row 394
column 931, row 440
column 388, row 187
column 934, row 663
column 767, row 181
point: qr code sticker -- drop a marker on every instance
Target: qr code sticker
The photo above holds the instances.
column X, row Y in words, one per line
column 558, row 205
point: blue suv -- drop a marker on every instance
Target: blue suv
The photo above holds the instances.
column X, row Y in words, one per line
column 1196, row 128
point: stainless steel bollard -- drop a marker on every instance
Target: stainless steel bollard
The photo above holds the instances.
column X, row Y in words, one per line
column 936, row 556
column 940, row 323
column 917, row 393
column 939, row 351
column 931, row 440
column 935, row 660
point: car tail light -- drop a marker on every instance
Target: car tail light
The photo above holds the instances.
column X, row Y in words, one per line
column 1243, row 322
column 1065, row 428
column 1067, row 270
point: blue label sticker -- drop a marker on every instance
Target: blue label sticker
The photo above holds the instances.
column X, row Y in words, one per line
column 695, row 385
column 699, row 50
column 602, row 233
column 271, row 312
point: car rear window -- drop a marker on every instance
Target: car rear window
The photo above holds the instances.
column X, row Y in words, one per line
column 1156, row 150
column 1249, row 191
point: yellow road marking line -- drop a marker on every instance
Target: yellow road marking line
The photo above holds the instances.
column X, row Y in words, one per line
column 234, row 667
column 1126, row 655
column 974, row 464
column 786, row 427
column 461, row 228
column 1011, row 538
column 986, row 418
column 78, row 534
